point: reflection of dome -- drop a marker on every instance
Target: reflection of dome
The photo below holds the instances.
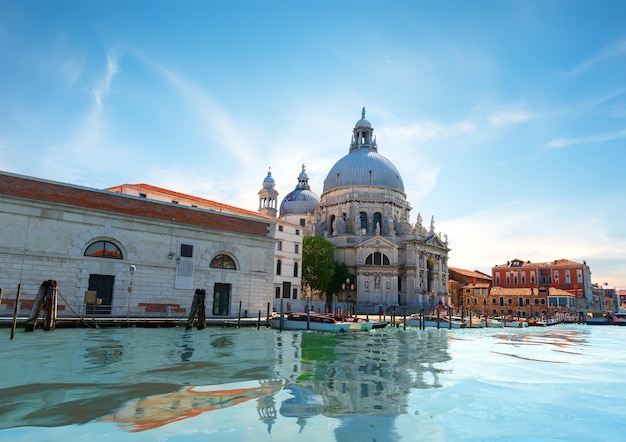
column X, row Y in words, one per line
column 363, row 166
column 301, row 200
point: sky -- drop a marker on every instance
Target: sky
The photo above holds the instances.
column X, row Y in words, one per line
column 505, row 119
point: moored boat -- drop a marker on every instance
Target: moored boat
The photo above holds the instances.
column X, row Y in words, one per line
column 434, row 321
column 309, row 321
column 596, row 317
column 515, row 322
column 493, row 323
column 356, row 323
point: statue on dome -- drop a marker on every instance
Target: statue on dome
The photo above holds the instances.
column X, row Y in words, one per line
column 363, row 113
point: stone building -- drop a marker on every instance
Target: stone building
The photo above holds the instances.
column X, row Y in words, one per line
column 141, row 256
column 364, row 213
column 288, row 236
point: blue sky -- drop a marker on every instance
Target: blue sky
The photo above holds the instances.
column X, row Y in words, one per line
column 506, row 119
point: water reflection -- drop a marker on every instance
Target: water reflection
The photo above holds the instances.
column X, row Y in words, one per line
column 101, row 350
column 145, row 379
column 354, row 377
column 155, row 411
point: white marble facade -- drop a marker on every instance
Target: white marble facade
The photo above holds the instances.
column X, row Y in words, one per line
column 363, row 211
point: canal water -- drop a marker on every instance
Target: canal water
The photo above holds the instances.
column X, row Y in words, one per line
column 560, row 383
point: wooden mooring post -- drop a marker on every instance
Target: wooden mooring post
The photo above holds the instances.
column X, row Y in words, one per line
column 46, row 299
column 17, row 301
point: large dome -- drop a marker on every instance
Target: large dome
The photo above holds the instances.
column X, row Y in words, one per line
column 363, row 166
column 301, row 200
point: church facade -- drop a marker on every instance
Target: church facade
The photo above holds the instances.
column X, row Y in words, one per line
column 364, row 213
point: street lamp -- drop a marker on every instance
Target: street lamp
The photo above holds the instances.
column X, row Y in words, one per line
column 131, row 270
column 347, row 286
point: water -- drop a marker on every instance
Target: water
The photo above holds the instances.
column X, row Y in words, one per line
column 556, row 383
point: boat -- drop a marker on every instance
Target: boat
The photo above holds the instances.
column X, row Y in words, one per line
column 532, row 322
column 597, row 317
column 515, row 323
column 309, row 321
column 493, row 323
column 474, row 323
column 356, row 323
column 619, row 318
column 434, row 321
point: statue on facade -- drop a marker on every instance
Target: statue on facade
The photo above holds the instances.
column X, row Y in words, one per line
column 377, row 228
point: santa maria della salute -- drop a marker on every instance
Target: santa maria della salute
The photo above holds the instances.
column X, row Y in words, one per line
column 363, row 211
column 138, row 250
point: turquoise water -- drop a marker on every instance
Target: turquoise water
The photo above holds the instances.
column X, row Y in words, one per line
column 555, row 383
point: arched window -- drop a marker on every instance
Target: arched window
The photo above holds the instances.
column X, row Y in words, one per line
column 378, row 218
column 295, row 269
column 501, row 301
column 279, row 265
column 377, row 259
column 223, row 262
column 520, row 302
column 363, row 217
column 104, row 249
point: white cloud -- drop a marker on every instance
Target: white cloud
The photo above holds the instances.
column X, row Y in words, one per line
column 510, row 117
column 518, row 230
column 591, row 139
column 615, row 50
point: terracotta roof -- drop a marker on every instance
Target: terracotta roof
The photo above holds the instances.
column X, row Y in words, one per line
column 477, row 285
column 214, row 205
column 510, row 291
column 555, row 263
column 470, row 273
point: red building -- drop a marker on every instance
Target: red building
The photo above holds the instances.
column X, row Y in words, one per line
column 531, row 288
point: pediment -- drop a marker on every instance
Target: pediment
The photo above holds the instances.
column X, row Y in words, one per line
column 434, row 240
column 377, row 242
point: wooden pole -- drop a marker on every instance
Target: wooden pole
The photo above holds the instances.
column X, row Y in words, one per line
column 17, row 301
column 258, row 322
column 239, row 316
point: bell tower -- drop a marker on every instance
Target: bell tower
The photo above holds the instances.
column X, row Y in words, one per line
column 268, row 197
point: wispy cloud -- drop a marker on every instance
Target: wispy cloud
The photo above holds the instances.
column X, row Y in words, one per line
column 510, row 116
column 615, row 50
column 530, row 232
column 425, row 131
column 591, row 139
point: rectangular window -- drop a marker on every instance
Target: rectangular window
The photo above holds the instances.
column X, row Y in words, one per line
column 279, row 245
column 579, row 276
column 302, row 222
column 296, row 248
column 143, row 195
column 298, row 232
column 280, row 228
column 184, row 266
column 295, row 294
column 186, row 250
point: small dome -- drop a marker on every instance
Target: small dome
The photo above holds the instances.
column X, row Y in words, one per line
column 362, row 123
column 299, row 201
column 302, row 200
column 268, row 182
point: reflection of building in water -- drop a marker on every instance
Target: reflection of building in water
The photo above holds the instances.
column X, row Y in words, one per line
column 346, row 376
